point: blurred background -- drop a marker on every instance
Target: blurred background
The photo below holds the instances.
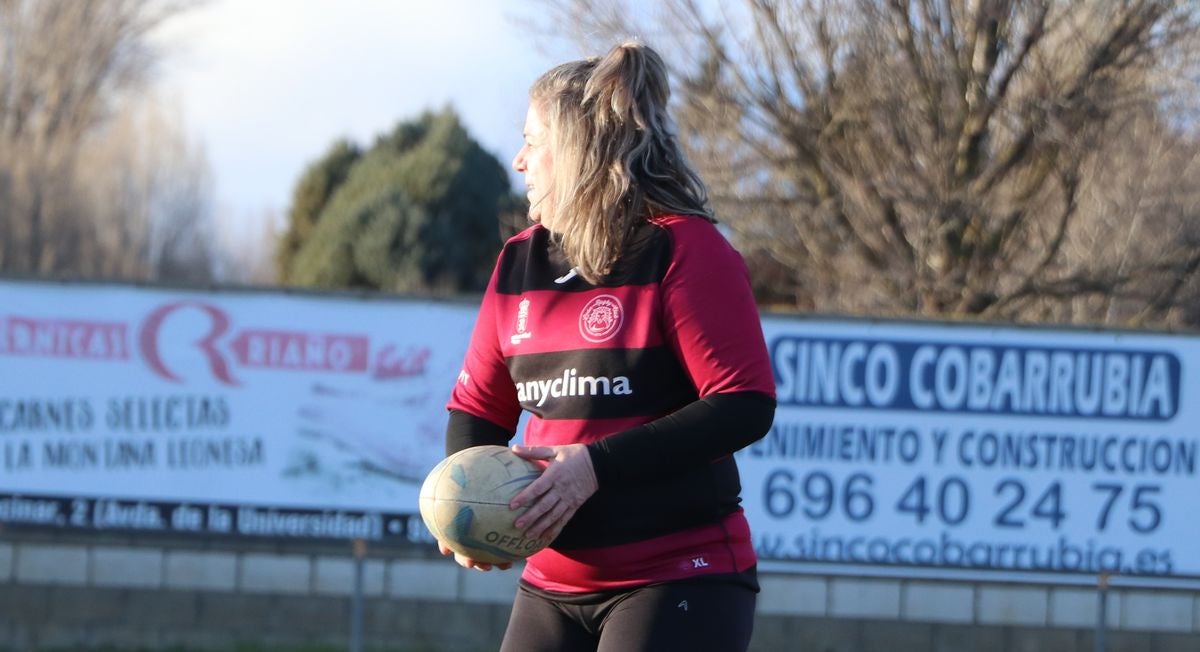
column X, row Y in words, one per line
column 998, row 162
column 1027, row 161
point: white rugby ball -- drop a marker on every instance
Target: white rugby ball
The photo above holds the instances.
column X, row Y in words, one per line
column 464, row 503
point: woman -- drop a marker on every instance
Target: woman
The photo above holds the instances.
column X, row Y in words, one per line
column 624, row 322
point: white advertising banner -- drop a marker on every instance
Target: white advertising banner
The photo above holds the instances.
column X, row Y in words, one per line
column 243, row 413
column 905, row 449
column 958, row 451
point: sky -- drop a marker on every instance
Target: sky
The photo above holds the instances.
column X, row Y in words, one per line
column 266, row 86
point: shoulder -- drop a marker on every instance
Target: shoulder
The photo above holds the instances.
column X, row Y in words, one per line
column 530, row 261
column 524, row 237
column 693, row 236
column 525, row 243
column 678, row 222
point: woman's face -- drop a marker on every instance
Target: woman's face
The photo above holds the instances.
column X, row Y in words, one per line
column 536, row 161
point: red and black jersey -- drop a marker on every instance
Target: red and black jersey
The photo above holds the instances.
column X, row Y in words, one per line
column 653, row 369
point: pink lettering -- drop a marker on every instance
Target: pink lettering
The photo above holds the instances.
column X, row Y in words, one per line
column 62, row 338
column 301, row 351
column 148, row 341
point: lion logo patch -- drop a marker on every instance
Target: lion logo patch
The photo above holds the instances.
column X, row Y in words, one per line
column 601, row 318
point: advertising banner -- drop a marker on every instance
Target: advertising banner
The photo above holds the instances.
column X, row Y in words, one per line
column 239, row 413
column 956, row 451
column 898, row 449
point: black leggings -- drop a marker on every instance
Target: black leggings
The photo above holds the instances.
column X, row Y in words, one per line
column 696, row 614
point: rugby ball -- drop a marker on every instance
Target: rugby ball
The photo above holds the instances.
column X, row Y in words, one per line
column 464, row 503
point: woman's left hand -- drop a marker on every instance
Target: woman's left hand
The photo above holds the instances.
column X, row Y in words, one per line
column 553, row 498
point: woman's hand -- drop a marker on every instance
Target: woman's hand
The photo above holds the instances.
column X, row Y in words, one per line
column 467, row 562
column 553, row 498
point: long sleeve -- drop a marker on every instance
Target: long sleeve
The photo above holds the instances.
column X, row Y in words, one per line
column 714, row 329
column 708, row 429
column 485, row 391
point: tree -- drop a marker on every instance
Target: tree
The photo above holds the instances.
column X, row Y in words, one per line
column 312, row 193
column 945, row 158
column 94, row 179
column 144, row 191
column 418, row 211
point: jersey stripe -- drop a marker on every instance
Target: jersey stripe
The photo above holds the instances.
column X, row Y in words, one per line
column 580, row 320
column 624, row 512
column 723, row 547
column 532, row 262
column 600, row 383
column 540, row 432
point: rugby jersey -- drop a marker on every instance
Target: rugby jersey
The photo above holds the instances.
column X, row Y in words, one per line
column 652, row 369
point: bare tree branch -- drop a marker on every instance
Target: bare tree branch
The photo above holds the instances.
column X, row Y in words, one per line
column 69, row 73
column 948, row 158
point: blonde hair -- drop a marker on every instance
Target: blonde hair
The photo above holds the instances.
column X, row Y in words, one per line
column 616, row 159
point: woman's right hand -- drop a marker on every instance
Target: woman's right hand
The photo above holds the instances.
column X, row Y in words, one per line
column 467, row 562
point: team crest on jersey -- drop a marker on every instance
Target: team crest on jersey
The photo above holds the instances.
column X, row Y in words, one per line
column 522, row 323
column 601, row 318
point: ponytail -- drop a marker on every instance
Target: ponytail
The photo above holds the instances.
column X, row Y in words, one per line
column 617, row 161
column 629, row 85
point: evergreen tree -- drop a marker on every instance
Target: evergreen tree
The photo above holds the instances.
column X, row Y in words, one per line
column 312, row 193
column 418, row 211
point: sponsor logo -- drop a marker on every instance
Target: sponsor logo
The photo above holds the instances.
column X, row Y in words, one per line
column 571, row 384
column 391, row 364
column 222, row 347
column 522, row 323
column 170, row 336
column 601, row 318
column 296, row 350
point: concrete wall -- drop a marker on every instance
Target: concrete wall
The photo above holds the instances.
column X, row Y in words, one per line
column 63, row 592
